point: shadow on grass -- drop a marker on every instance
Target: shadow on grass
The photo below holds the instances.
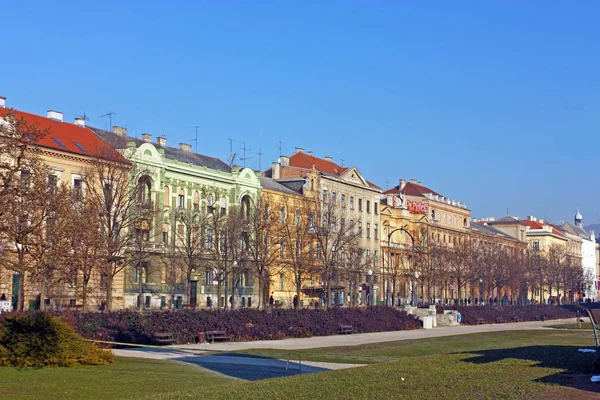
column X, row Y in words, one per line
column 577, row 366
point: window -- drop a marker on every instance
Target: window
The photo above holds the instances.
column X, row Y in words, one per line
column 196, row 201
column 368, row 256
column 181, row 198
column 352, row 202
column 324, row 195
column 342, row 225
column 343, row 200
column 80, row 147
column 351, row 226
column 297, row 218
column 376, row 208
column 360, row 228
column 282, row 215
column 319, row 252
column 368, row 206
column 77, row 187
column 107, row 194
column 209, row 239
column 52, row 181
column 333, row 197
column 103, row 280
column 223, row 211
column 333, row 224
column 281, row 248
column 266, row 212
column 368, row 229
column 376, row 231
column 165, row 237
column 281, row 281
column 536, row 246
column 359, row 204
column 432, row 214
column 375, row 259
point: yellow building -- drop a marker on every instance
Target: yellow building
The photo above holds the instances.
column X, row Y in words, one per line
column 67, row 149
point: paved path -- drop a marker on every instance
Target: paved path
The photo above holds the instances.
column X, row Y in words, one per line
column 364, row 338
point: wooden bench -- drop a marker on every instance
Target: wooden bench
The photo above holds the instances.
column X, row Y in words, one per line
column 517, row 319
column 162, row 338
column 211, row 336
column 595, row 321
column 188, row 306
column 499, row 320
column 480, row 321
column 347, row 329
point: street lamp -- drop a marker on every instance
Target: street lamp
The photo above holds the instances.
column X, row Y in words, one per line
column 480, row 290
column 370, row 287
column 416, row 290
column 234, row 283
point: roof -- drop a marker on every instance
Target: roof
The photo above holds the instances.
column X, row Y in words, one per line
column 483, row 227
column 297, row 185
column 506, row 220
column 171, row 153
column 539, row 225
column 412, row 189
column 272, row 184
column 576, row 229
column 67, row 137
column 306, row 161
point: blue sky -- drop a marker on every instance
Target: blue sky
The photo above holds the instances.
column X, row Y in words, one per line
column 493, row 103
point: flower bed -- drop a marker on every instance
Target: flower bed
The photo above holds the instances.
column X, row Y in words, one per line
column 490, row 313
column 242, row 325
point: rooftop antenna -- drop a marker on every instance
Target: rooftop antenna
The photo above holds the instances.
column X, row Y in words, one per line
column 507, row 211
column 109, row 115
column 342, row 160
column 387, row 185
column 280, row 148
column 196, row 128
column 260, row 153
column 83, row 117
column 244, row 149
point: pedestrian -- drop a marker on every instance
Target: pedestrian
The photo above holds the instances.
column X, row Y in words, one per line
column 295, row 301
column 271, row 301
column 209, row 302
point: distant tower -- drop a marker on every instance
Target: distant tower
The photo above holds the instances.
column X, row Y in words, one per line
column 578, row 218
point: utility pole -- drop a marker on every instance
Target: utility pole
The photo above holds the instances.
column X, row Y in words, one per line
column 109, row 115
column 260, row 153
column 244, row 149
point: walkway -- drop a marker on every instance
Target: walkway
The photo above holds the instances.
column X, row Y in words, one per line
column 365, row 338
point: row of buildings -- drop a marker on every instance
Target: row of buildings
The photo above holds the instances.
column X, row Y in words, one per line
column 409, row 237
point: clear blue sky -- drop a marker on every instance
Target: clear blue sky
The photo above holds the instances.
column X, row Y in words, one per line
column 496, row 104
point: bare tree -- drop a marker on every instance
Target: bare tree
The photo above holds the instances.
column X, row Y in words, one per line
column 460, row 263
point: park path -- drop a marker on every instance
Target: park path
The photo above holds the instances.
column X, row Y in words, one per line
column 366, row 338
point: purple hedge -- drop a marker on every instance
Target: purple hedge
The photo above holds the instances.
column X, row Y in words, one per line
column 527, row 313
column 242, row 325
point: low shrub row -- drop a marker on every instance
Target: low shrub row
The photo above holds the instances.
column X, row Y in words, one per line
column 490, row 313
column 40, row 339
column 243, row 324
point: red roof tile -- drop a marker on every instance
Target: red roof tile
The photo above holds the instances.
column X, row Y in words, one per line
column 67, row 137
column 306, row 161
column 412, row 189
column 539, row 225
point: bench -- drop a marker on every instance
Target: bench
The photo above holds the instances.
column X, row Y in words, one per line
column 499, row 320
column 595, row 321
column 162, row 338
column 211, row 336
column 346, row 329
column 517, row 319
column 188, row 306
column 480, row 321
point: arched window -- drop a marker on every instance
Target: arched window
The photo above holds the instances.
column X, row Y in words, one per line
column 144, row 189
column 196, row 201
column 246, row 207
column 166, row 197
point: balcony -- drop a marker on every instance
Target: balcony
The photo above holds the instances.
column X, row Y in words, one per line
column 150, row 247
column 157, row 288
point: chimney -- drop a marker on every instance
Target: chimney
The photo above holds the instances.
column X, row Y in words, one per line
column 402, row 184
column 119, row 130
column 284, row 161
column 161, row 141
column 328, row 158
column 531, row 218
column 413, row 181
column 2, row 102
column 80, row 122
column 419, row 183
column 55, row 115
column 275, row 170
column 185, row 147
column 299, row 150
column 146, row 137
column 310, row 153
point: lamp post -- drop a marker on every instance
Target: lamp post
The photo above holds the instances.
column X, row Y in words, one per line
column 404, row 229
column 416, row 290
column 370, row 286
column 480, row 290
column 234, row 283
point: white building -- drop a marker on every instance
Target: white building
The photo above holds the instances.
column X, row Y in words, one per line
column 588, row 253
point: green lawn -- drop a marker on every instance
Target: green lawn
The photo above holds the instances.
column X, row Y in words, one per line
column 517, row 364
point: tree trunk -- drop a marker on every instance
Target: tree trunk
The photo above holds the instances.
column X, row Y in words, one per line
column 84, row 296
column 109, row 295
column 42, row 296
column 140, row 291
column 21, row 292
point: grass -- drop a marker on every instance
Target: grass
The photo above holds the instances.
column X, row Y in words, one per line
column 511, row 365
column 126, row 378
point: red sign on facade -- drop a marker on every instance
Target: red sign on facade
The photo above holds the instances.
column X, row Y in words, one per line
column 415, row 207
